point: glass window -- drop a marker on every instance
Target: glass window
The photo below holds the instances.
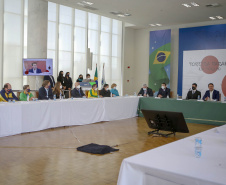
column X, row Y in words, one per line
column 64, row 37
column 80, row 40
column 51, row 11
column 105, row 43
column 93, row 43
column 13, row 6
column 65, row 63
column 65, row 14
column 51, row 35
column 105, row 24
column 93, row 21
column 80, row 18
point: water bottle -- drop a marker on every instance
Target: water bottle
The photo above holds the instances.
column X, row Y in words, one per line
column 9, row 100
column 198, row 97
column 135, row 94
column 111, row 95
column 198, row 147
column 167, row 96
column 27, row 97
column 60, row 95
column 177, row 96
column 225, row 99
column 54, row 97
column 147, row 95
column 14, row 100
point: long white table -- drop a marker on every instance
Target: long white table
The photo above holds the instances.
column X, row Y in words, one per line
column 175, row 163
column 21, row 117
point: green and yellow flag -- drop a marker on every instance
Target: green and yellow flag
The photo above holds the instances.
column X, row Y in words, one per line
column 96, row 76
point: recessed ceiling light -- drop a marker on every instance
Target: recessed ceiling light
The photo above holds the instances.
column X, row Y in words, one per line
column 158, row 24
column 212, row 18
column 187, row 5
column 219, row 17
column 194, row 4
column 152, row 24
column 121, row 15
column 87, row 3
column 127, row 14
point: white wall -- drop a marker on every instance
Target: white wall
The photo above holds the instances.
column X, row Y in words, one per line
column 140, row 54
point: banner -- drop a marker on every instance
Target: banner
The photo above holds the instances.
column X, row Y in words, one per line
column 204, row 67
column 159, row 59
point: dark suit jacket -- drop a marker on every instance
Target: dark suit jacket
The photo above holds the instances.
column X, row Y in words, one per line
column 164, row 93
column 75, row 93
column 52, row 82
column 105, row 93
column 68, row 82
column 43, row 95
column 149, row 92
column 216, row 95
column 38, row 70
column 193, row 96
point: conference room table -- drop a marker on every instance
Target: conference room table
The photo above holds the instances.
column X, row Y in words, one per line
column 21, row 117
column 204, row 112
column 176, row 164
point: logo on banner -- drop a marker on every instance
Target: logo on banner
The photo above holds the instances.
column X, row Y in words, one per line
column 161, row 57
column 209, row 64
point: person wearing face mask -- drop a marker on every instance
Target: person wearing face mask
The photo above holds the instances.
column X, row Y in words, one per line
column 164, row 92
column 80, row 78
column 105, row 92
column 88, row 79
column 7, row 94
column 77, row 92
column 145, row 91
column 57, row 90
column 68, row 81
column 114, row 90
column 45, row 92
column 25, row 93
column 61, row 79
column 93, row 93
column 193, row 93
column 211, row 94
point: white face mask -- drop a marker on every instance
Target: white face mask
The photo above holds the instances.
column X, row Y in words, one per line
column 144, row 89
column 114, row 88
column 107, row 89
column 95, row 89
column 61, row 86
column 88, row 78
column 163, row 87
column 78, row 87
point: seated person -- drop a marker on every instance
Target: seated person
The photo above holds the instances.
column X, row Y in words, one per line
column 145, row 91
column 25, row 93
column 80, row 78
column 163, row 91
column 193, row 93
column 45, row 92
column 211, row 94
column 113, row 90
column 105, row 91
column 88, row 79
column 57, row 90
column 7, row 94
column 35, row 68
column 93, row 93
column 77, row 92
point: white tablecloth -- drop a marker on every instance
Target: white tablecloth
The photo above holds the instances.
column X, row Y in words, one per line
column 175, row 163
column 20, row 117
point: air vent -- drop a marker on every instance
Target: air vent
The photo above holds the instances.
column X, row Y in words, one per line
column 214, row 5
column 90, row 8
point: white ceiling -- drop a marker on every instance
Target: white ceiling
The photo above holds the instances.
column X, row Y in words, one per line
column 145, row 12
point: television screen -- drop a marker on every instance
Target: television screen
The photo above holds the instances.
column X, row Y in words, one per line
column 37, row 67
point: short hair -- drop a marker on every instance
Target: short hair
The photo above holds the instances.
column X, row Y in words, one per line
column 195, row 84
column 80, row 75
column 25, row 87
column 113, row 85
column 210, row 84
column 94, row 85
column 6, row 85
column 144, row 85
column 164, row 83
column 45, row 83
column 34, row 63
column 105, row 85
column 87, row 75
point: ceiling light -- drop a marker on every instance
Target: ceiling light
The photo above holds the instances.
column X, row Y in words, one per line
column 212, row 18
column 87, row 3
column 194, row 4
column 219, row 17
column 127, row 14
column 152, row 24
column 121, row 15
column 158, row 25
column 186, row 5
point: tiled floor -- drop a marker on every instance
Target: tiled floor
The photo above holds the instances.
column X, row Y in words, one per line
column 50, row 157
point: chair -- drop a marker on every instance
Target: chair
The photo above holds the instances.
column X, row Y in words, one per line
column 86, row 92
column 171, row 94
column 37, row 94
column 18, row 95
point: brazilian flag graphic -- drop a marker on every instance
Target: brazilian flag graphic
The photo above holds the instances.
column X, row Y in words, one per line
column 159, row 59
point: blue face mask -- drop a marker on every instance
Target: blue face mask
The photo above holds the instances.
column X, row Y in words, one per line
column 9, row 90
column 28, row 90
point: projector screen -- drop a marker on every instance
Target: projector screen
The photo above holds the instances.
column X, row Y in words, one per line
column 37, row 67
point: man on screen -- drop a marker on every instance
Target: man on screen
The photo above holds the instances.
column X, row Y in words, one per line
column 193, row 93
column 35, row 69
column 211, row 94
column 164, row 92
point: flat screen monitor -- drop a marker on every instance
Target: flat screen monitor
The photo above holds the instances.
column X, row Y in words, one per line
column 37, row 67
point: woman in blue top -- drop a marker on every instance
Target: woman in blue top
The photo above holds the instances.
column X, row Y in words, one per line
column 114, row 91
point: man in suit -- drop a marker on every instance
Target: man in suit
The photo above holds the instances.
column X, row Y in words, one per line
column 51, row 79
column 164, row 92
column 211, row 94
column 35, row 69
column 145, row 91
column 193, row 93
column 77, row 92
column 45, row 92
